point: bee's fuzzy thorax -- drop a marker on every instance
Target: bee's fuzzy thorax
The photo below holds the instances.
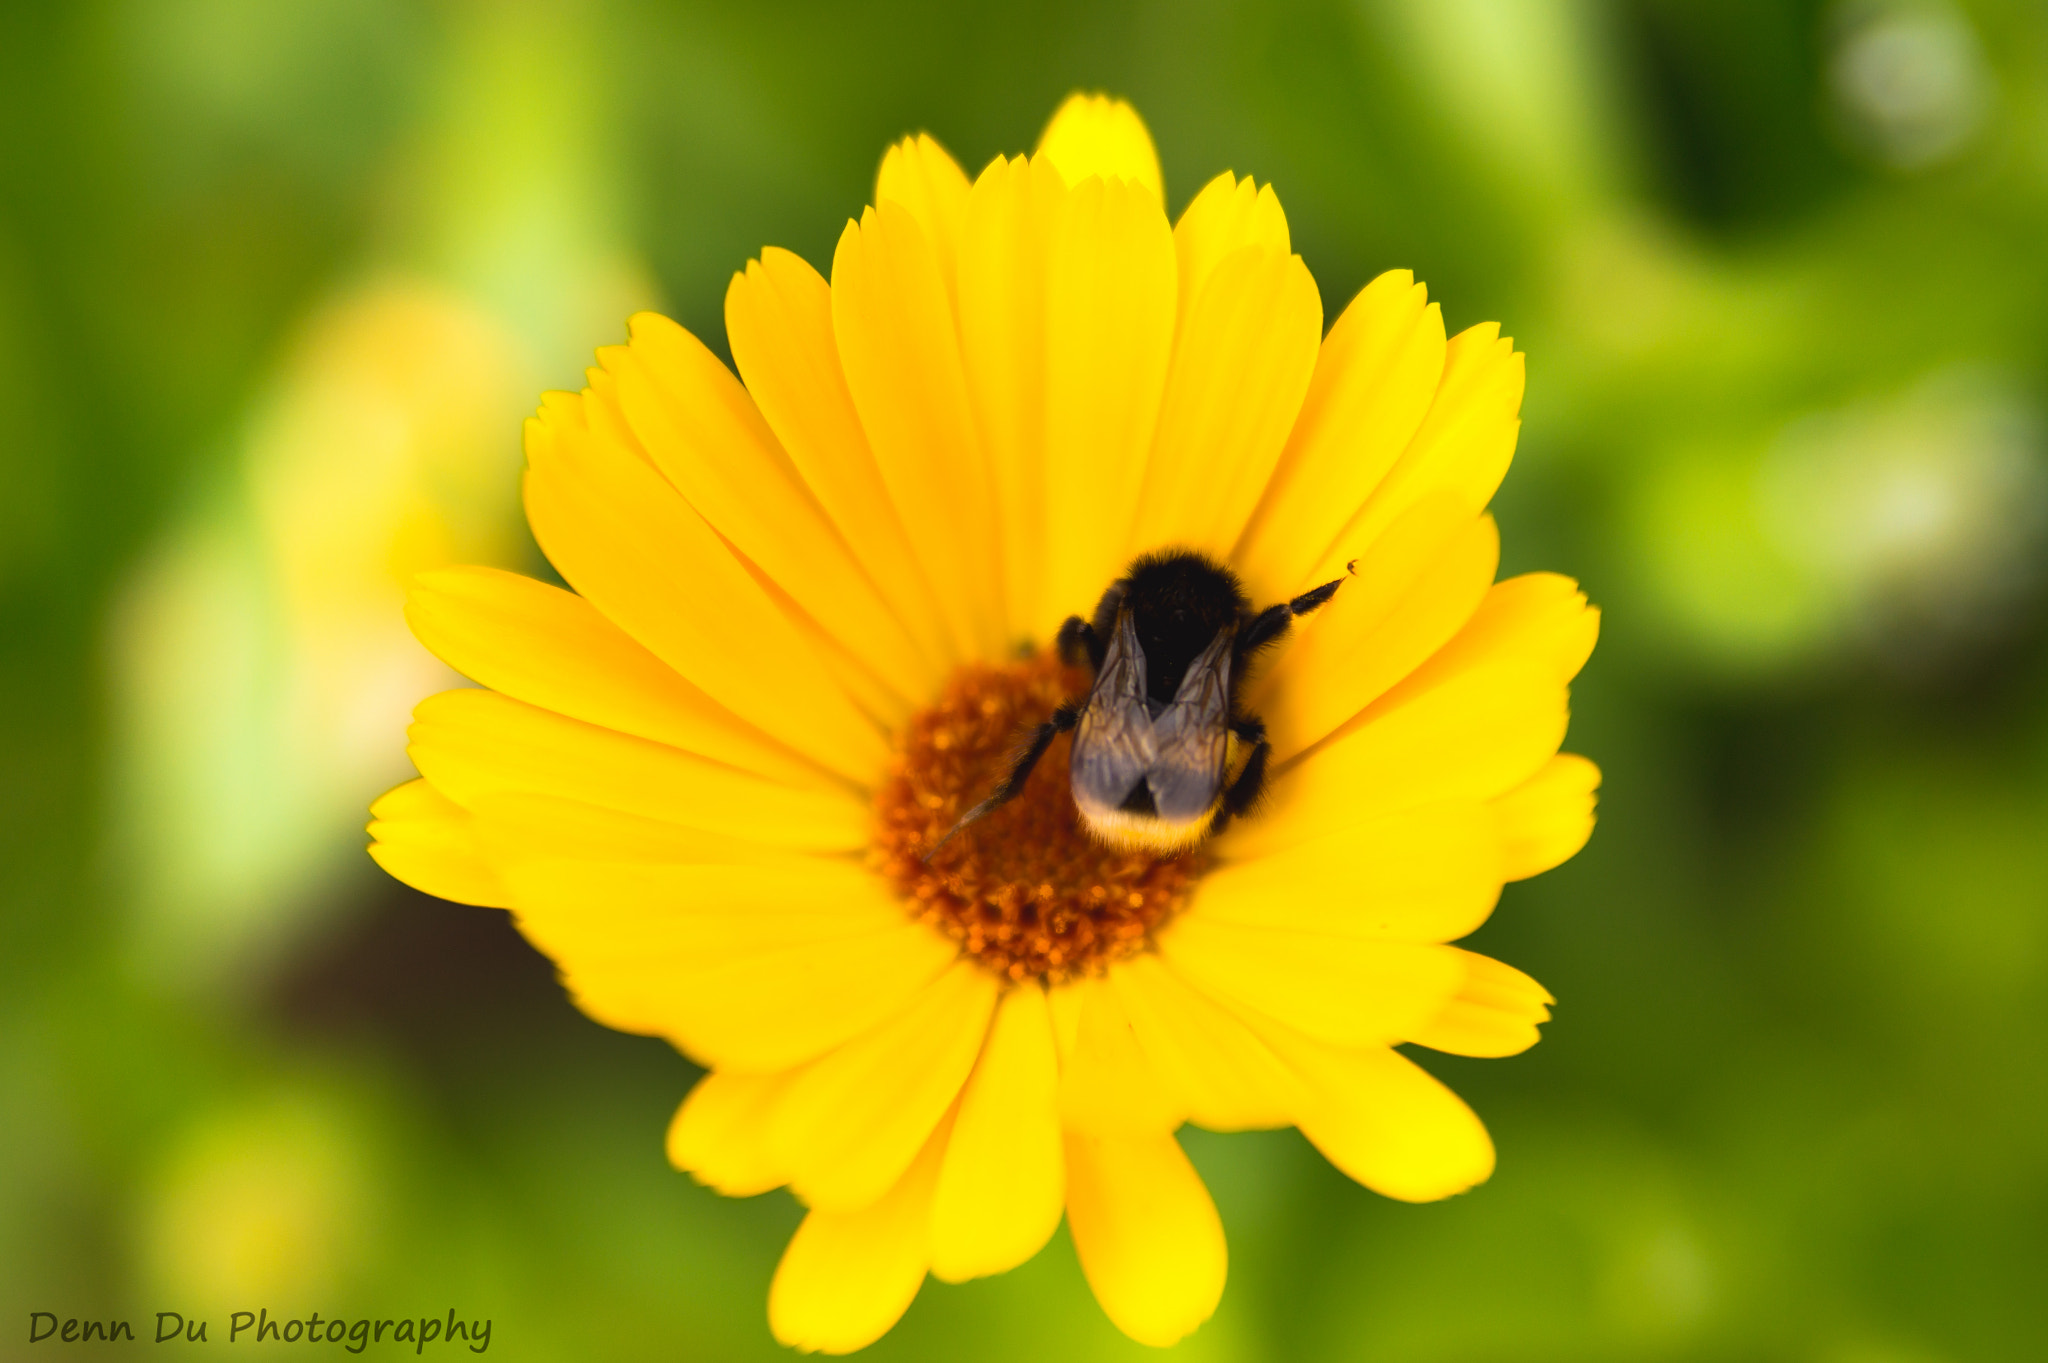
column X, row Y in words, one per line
column 1180, row 599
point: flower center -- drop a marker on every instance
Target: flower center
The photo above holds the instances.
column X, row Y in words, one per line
column 1024, row 890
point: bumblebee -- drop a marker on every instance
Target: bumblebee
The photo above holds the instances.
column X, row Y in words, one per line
column 1169, row 645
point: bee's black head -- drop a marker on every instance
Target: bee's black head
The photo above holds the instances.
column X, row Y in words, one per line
column 1178, row 599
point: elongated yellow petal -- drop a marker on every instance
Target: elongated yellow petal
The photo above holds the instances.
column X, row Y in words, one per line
column 426, row 840
column 1004, row 1180
column 1376, row 376
column 778, row 319
column 703, row 432
column 748, row 968
column 1146, row 1232
column 854, row 1118
column 1385, row 1121
column 553, row 649
column 749, row 1010
column 1337, row 987
column 1011, row 216
column 1548, row 818
column 629, row 543
column 475, row 743
column 1246, row 349
column 1065, row 1002
column 900, row 349
column 851, row 667
column 1539, row 618
column 1210, row 1063
column 1476, row 736
column 1107, row 1083
column 719, row 1135
column 1096, row 135
column 1408, row 594
column 848, row 1276
column 1110, row 292
column 1227, row 216
column 1463, row 445
column 514, row 826
column 848, row 667
column 1495, row 1012
column 1535, row 626
column 919, row 174
column 886, row 706
column 1431, row 874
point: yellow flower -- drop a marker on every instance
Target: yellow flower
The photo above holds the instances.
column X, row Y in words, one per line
column 801, row 643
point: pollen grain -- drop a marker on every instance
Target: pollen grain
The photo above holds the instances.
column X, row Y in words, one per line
column 1025, row 890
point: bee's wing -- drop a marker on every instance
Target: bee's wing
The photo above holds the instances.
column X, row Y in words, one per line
column 1193, row 735
column 1113, row 744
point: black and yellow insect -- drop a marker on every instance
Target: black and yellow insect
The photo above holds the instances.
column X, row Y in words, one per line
column 1169, row 645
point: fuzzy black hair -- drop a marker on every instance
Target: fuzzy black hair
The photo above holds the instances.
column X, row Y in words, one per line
column 1178, row 600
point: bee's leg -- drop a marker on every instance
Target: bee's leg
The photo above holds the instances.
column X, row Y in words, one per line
column 1244, row 792
column 1012, row 785
column 1272, row 622
column 1077, row 640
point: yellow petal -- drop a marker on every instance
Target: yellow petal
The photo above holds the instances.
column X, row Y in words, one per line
column 514, row 826
column 1431, row 874
column 900, row 349
column 1097, row 135
column 1375, row 377
column 1146, row 1232
column 778, row 319
column 1004, row 1179
column 1337, row 987
column 474, row 743
column 719, row 1135
column 1065, row 1002
column 1476, row 736
column 1495, row 1012
column 751, row 1012
column 1547, row 819
column 848, row 1276
column 1107, row 1083
column 851, row 671
column 629, row 543
column 854, row 675
column 1535, row 626
column 1011, row 215
column 1227, row 216
column 1538, row 618
column 886, row 706
column 1210, row 1063
column 854, row 1118
column 919, row 174
column 425, row 839
column 1110, row 293
column 1385, row 1121
column 1246, row 349
column 551, row 648
column 705, row 435
column 1402, row 600
column 748, row 968
column 1463, row 445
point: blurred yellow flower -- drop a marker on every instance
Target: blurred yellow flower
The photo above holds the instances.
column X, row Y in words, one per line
column 259, row 654
column 706, row 781
column 270, row 1199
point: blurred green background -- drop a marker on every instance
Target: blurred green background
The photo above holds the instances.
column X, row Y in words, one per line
column 278, row 281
